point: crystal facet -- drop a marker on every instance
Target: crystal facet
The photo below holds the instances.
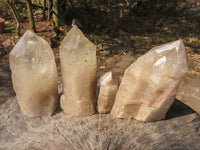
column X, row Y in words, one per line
column 78, row 68
column 34, row 75
column 108, row 89
column 149, row 85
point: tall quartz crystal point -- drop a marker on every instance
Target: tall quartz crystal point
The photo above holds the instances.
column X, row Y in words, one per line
column 149, row 85
column 108, row 89
column 78, row 68
column 34, row 75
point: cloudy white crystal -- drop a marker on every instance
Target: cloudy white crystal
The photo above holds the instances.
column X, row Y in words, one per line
column 78, row 68
column 34, row 75
column 108, row 88
column 149, row 85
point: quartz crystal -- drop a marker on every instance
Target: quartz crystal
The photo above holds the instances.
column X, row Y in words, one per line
column 108, row 88
column 149, row 85
column 34, row 75
column 78, row 68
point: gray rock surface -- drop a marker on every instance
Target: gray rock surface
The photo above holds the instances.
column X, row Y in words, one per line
column 61, row 131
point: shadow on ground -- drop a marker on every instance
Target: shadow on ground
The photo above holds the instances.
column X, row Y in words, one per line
column 178, row 109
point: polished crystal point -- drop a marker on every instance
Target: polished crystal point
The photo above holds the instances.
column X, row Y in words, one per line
column 78, row 68
column 34, row 75
column 108, row 88
column 149, row 85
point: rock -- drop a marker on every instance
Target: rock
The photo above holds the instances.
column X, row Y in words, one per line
column 189, row 93
column 78, row 69
column 149, row 85
column 8, row 45
column 34, row 75
column 108, row 88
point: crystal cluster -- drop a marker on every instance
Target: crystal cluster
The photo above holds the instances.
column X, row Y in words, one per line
column 149, row 85
column 108, row 88
column 78, row 68
column 34, row 75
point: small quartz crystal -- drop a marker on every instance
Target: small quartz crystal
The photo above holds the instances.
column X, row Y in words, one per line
column 108, row 88
column 78, row 68
column 34, row 75
column 149, row 85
